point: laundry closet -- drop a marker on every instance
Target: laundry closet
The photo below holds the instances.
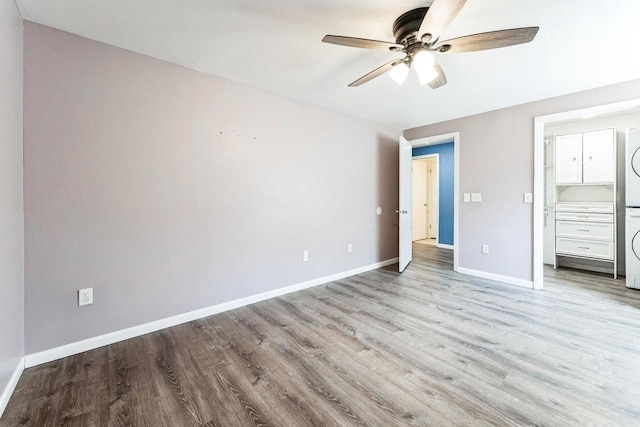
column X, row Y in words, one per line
column 584, row 192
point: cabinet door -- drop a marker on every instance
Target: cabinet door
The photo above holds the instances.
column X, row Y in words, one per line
column 569, row 159
column 598, row 153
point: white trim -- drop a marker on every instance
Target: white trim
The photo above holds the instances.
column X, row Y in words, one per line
column 435, row 139
column 11, row 386
column 444, row 246
column 538, row 176
column 496, row 277
column 124, row 334
column 441, row 139
column 456, row 201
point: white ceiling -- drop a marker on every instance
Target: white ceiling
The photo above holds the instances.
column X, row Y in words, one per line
column 275, row 45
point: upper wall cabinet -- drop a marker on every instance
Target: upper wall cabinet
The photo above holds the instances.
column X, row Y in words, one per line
column 586, row 158
column 569, row 159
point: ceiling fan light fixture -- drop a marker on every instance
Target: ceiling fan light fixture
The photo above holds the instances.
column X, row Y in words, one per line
column 399, row 73
column 423, row 61
column 427, row 75
column 418, row 35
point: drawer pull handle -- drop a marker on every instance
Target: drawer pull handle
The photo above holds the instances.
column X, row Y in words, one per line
column 583, row 247
column 585, row 231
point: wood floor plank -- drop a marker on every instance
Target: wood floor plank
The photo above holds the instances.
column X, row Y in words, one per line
column 426, row 347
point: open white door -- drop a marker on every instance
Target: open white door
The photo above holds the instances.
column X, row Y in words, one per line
column 404, row 210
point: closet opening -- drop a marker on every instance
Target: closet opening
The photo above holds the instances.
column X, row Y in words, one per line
column 579, row 194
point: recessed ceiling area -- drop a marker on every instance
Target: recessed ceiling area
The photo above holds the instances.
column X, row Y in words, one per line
column 276, row 45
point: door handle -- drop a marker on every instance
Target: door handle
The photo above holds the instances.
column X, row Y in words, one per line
column 401, row 212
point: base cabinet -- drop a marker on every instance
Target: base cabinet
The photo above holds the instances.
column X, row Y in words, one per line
column 588, row 235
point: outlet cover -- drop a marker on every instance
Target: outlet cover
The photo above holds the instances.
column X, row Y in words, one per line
column 485, row 249
column 349, row 248
column 305, row 256
column 85, row 296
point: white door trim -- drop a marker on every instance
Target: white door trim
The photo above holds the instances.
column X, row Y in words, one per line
column 437, row 157
column 538, row 173
column 441, row 139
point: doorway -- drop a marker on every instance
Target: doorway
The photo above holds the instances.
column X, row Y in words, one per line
column 447, row 172
column 425, row 171
column 557, row 194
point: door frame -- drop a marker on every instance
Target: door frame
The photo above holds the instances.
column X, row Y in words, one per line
column 437, row 157
column 441, row 139
column 538, row 173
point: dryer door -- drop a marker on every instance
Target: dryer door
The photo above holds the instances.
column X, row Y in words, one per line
column 635, row 162
column 633, row 175
column 635, row 246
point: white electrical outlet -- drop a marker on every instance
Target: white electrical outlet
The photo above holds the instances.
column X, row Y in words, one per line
column 485, row 249
column 85, row 296
column 305, row 256
column 349, row 248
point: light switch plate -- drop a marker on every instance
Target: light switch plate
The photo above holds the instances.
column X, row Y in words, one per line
column 476, row 197
column 528, row 198
column 467, row 197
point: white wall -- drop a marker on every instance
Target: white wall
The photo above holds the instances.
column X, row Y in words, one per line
column 11, row 205
column 168, row 190
column 496, row 159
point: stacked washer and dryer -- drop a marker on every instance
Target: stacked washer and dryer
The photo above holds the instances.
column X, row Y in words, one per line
column 632, row 197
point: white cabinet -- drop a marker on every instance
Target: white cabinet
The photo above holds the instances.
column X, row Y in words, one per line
column 586, row 235
column 569, row 159
column 585, row 158
column 598, row 156
column 585, row 215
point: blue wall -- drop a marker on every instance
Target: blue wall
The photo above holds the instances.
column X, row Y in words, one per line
column 445, row 190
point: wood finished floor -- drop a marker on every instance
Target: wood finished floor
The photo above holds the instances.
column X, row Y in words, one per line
column 428, row 347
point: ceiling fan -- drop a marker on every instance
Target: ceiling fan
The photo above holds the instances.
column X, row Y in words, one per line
column 417, row 34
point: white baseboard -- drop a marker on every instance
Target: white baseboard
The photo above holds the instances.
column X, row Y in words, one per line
column 496, row 277
column 13, row 382
column 124, row 334
column 444, row 246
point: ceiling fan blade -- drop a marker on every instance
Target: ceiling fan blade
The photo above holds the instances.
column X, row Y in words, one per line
column 375, row 73
column 362, row 43
column 441, row 80
column 438, row 18
column 490, row 40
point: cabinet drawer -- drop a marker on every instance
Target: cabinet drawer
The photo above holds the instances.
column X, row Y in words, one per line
column 597, row 231
column 585, row 207
column 578, row 216
column 584, row 248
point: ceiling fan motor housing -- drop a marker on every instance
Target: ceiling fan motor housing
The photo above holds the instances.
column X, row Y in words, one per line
column 408, row 24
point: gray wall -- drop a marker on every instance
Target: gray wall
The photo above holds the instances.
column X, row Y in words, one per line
column 496, row 159
column 168, row 190
column 11, row 207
